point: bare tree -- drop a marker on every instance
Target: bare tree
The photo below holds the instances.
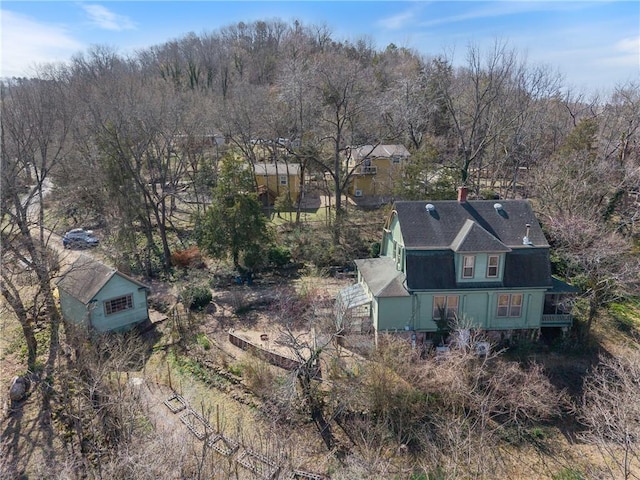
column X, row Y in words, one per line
column 484, row 101
column 101, row 407
column 611, row 413
column 341, row 88
column 600, row 261
column 35, row 122
column 136, row 130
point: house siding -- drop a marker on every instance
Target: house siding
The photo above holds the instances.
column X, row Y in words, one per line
column 475, row 308
column 118, row 287
column 480, row 268
column 73, row 310
column 269, row 178
column 386, row 172
column 429, row 246
column 395, row 311
column 392, row 233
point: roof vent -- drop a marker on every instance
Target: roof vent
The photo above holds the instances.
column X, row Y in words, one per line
column 497, row 206
column 525, row 239
column 430, row 207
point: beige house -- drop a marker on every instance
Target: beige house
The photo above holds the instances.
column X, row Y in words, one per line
column 274, row 179
column 375, row 168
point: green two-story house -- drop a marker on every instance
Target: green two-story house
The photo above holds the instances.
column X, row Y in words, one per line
column 483, row 263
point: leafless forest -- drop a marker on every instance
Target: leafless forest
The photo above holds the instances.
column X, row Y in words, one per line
column 148, row 150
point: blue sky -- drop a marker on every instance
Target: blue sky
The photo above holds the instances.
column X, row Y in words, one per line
column 595, row 45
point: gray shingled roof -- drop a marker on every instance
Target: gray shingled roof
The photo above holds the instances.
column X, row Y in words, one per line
column 440, row 227
column 86, row 277
column 473, row 238
column 381, row 276
column 432, row 271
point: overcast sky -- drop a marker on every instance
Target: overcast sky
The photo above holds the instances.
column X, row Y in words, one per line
column 595, row 45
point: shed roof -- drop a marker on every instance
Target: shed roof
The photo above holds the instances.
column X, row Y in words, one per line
column 86, row 277
column 383, row 279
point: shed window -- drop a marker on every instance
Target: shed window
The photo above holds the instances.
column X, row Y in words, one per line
column 283, row 180
column 509, row 305
column 119, row 304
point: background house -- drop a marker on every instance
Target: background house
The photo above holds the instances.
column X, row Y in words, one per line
column 483, row 263
column 99, row 297
column 376, row 168
column 274, row 179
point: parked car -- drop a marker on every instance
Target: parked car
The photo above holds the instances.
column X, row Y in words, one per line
column 79, row 238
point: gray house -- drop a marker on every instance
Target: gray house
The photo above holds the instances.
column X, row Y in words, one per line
column 100, row 298
column 485, row 262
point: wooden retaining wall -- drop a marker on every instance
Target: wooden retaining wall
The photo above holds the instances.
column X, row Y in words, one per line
column 267, row 355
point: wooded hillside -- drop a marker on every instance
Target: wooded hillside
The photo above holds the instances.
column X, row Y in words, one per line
column 156, row 151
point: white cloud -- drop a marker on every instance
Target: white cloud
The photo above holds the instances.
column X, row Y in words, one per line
column 397, row 21
column 622, row 56
column 482, row 10
column 401, row 20
column 27, row 42
column 627, row 52
column 106, row 19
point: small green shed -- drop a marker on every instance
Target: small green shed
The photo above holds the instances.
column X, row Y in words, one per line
column 101, row 298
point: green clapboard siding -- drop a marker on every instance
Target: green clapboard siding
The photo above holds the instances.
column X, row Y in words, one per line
column 76, row 312
column 117, row 287
column 73, row 310
column 395, row 312
column 476, row 309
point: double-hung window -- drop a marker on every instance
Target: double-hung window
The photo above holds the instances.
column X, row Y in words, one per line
column 447, row 305
column 509, row 305
column 493, row 264
column 283, row 180
column 468, row 266
column 119, row 304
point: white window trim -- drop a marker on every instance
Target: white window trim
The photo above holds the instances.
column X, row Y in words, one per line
column 128, row 299
column 284, row 181
column 448, row 300
column 510, row 306
column 472, row 267
column 496, row 266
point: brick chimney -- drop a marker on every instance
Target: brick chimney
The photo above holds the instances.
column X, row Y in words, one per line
column 462, row 194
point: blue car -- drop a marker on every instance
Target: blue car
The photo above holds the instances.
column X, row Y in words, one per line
column 79, row 238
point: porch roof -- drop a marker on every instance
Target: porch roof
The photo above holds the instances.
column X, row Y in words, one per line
column 559, row 286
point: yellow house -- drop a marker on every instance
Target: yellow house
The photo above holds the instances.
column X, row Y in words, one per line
column 274, row 179
column 375, row 168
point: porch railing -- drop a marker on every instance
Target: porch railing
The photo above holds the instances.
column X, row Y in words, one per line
column 557, row 320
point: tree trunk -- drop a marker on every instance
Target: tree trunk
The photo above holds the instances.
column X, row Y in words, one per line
column 305, row 378
column 593, row 310
column 9, row 292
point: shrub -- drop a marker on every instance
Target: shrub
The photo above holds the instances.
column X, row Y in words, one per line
column 279, row 255
column 489, row 194
column 191, row 257
column 203, row 341
column 568, row 474
column 196, row 297
column 258, row 376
